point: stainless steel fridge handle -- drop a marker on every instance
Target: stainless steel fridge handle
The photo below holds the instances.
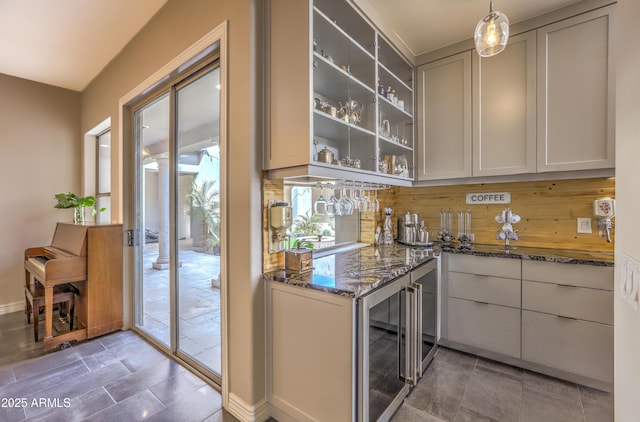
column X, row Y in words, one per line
column 410, row 337
column 418, row 332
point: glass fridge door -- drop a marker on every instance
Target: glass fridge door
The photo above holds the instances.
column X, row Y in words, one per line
column 383, row 351
column 426, row 276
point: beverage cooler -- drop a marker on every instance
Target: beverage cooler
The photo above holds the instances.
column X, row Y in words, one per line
column 397, row 340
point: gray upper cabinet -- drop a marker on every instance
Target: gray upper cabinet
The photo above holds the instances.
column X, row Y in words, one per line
column 545, row 104
column 575, row 93
column 444, row 118
column 504, row 109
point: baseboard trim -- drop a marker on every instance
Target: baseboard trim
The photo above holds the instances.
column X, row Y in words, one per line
column 8, row 308
column 247, row 413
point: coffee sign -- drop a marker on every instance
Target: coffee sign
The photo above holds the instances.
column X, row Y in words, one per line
column 489, row 198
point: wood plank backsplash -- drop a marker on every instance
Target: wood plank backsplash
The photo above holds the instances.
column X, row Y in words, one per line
column 549, row 211
column 271, row 189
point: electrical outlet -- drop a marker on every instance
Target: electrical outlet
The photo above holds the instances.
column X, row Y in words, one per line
column 584, row 225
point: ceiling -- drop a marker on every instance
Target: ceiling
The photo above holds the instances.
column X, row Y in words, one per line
column 426, row 25
column 67, row 43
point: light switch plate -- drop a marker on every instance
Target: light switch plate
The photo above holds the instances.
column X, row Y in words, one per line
column 584, row 225
column 630, row 281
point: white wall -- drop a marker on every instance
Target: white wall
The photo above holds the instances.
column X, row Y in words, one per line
column 40, row 141
column 178, row 25
column 627, row 321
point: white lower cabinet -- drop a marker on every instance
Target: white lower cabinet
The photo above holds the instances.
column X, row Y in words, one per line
column 484, row 325
column 567, row 318
column 572, row 345
column 483, row 306
column 554, row 318
column 310, row 346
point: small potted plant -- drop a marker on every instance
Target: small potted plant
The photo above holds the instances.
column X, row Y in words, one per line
column 78, row 203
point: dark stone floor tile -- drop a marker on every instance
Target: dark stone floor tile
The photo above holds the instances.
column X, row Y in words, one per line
column 79, row 408
column 434, row 401
column 13, row 413
column 466, row 415
column 176, row 387
column 41, row 381
column 224, row 416
column 135, row 355
column 551, row 386
column 81, row 384
column 456, row 358
column 378, row 402
column 408, row 413
column 538, row 407
column 44, row 363
column 597, row 404
column 512, row 371
column 195, row 407
column 10, row 356
column 448, row 378
column 119, row 338
column 143, row 379
column 598, row 414
column 6, row 376
column 593, row 396
column 493, row 394
column 139, row 407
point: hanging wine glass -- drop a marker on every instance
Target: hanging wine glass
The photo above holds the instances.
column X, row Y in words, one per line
column 376, row 204
column 352, row 196
column 364, row 200
column 345, row 204
column 320, row 206
column 331, row 207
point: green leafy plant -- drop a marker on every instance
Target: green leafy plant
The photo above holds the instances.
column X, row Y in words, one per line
column 71, row 200
column 206, row 207
column 308, row 224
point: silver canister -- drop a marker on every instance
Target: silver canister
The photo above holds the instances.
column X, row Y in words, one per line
column 408, row 228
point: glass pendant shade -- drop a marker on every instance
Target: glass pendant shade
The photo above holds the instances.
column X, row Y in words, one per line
column 492, row 33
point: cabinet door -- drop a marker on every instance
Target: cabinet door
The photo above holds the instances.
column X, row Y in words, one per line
column 504, row 109
column 444, row 122
column 580, row 347
column 575, row 93
column 289, row 107
column 485, row 326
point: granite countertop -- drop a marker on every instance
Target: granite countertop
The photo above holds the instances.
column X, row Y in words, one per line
column 539, row 254
column 355, row 272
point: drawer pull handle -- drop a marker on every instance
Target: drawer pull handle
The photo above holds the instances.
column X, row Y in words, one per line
column 566, row 317
column 566, row 285
column 481, row 303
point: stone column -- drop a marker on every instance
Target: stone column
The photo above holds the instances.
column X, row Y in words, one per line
column 162, row 262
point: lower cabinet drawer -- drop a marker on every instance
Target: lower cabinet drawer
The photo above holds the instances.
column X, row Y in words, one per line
column 576, row 346
column 484, row 288
column 486, row 326
column 570, row 301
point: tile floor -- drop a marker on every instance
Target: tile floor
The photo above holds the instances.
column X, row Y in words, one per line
column 117, row 377
column 121, row 377
column 461, row 387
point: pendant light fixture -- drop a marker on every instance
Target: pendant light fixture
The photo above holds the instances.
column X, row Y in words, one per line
column 492, row 33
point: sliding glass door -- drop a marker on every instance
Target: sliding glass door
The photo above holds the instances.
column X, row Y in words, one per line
column 178, row 203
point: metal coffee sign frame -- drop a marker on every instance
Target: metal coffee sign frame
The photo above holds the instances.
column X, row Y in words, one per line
column 489, row 198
